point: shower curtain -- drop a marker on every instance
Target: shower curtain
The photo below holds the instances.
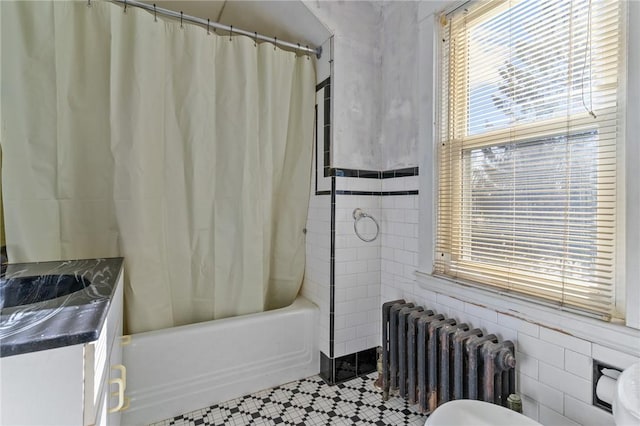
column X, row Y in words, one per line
column 185, row 152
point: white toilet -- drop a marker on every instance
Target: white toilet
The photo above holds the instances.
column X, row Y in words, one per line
column 626, row 408
column 477, row 413
column 626, row 402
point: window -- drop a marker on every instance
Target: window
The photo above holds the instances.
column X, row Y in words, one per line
column 528, row 126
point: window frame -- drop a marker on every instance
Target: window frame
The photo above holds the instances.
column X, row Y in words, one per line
column 615, row 334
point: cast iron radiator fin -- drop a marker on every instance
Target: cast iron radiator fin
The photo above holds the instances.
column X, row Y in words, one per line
column 429, row 359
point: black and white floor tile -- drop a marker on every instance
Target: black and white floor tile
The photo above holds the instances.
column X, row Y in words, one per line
column 307, row 402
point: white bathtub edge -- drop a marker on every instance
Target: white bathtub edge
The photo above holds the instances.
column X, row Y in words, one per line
column 155, row 398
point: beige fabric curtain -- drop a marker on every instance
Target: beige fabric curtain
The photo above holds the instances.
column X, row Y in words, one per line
column 186, row 153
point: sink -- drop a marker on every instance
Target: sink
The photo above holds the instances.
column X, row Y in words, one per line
column 27, row 290
column 626, row 402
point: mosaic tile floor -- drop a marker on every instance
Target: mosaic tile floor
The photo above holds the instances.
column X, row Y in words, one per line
column 307, row 402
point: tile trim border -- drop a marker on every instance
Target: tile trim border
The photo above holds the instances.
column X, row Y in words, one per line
column 374, row 174
column 337, row 370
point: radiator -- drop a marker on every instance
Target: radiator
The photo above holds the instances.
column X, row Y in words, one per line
column 429, row 359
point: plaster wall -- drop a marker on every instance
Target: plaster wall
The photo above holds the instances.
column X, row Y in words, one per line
column 357, row 80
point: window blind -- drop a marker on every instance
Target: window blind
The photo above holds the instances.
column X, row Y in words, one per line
column 528, row 127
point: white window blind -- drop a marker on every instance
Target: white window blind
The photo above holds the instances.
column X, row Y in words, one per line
column 528, row 124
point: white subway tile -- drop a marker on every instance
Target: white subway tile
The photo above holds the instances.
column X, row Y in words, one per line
column 339, row 349
column 578, row 364
column 354, row 319
column 373, row 290
column 526, row 364
column 386, row 253
column 481, row 312
column 374, row 315
column 541, row 350
column 408, row 230
column 411, row 244
column 345, row 334
column 356, row 266
column 393, row 241
column 356, row 345
column 343, row 308
column 368, row 303
column 392, row 267
column 344, row 228
column 409, row 272
column 373, row 265
column 355, row 293
column 339, row 322
column 425, row 297
column 403, row 202
column 394, row 215
column 613, row 357
column 340, row 268
column 518, row 324
column 387, row 202
column 340, row 295
column 566, row 382
column 367, row 329
column 566, row 341
column 547, row 416
column 369, row 279
column 502, row 333
column 542, row 393
column 465, row 318
column 529, row 407
column 344, row 214
column 346, row 280
column 403, row 256
column 586, row 414
column 370, row 252
column 374, row 341
column 450, row 302
column 411, row 215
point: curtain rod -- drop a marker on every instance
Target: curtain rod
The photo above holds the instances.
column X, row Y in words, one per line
column 216, row 25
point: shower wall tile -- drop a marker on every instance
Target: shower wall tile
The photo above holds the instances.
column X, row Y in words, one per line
column 586, row 414
column 548, row 416
column 357, row 273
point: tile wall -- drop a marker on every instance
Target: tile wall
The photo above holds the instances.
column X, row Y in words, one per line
column 554, row 370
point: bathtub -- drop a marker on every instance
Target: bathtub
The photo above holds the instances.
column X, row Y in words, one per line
column 182, row 369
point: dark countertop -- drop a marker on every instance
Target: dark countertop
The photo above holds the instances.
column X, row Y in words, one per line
column 68, row 320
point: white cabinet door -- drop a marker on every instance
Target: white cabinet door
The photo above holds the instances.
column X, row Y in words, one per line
column 105, row 376
column 42, row 388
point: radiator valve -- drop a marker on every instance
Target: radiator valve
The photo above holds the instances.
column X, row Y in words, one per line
column 378, row 382
column 514, row 402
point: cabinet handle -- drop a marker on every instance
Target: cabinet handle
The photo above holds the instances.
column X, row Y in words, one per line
column 123, row 374
column 127, row 403
column 120, row 394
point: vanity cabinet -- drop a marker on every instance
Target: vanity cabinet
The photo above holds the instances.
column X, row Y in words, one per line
column 81, row 384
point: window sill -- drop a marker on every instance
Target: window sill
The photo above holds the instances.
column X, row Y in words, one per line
column 611, row 335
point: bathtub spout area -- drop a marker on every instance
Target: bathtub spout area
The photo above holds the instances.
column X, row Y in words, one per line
column 181, row 369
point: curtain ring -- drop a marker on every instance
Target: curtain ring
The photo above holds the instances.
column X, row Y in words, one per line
column 125, row 6
column 255, row 41
column 275, row 43
column 208, row 27
column 230, row 32
column 307, row 46
column 88, row 3
column 181, row 20
column 155, row 13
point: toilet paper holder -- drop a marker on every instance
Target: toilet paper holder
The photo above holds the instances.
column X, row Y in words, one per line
column 600, row 370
